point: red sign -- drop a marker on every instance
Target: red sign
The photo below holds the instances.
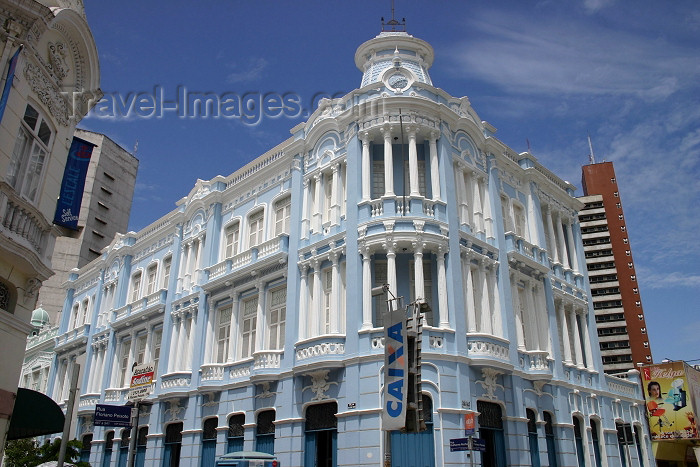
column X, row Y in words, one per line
column 469, row 425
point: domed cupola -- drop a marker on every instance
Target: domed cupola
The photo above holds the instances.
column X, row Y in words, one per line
column 40, row 318
column 395, row 59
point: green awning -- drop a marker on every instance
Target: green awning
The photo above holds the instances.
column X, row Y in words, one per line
column 35, row 414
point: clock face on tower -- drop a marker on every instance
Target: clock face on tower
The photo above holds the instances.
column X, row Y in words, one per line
column 397, row 81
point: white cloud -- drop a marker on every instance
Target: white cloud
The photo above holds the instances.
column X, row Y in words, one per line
column 251, row 73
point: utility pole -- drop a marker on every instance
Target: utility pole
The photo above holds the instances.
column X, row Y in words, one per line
column 72, row 392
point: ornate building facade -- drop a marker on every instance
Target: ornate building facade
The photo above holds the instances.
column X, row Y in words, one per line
column 50, row 76
column 253, row 297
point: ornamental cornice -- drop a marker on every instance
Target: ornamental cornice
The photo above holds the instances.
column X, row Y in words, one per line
column 396, row 241
column 47, row 92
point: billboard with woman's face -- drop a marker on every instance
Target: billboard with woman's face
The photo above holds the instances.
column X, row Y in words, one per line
column 670, row 391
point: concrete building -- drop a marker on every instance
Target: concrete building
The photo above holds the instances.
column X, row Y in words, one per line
column 253, row 298
column 50, row 78
column 622, row 331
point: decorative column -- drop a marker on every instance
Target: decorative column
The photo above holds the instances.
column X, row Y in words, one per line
column 478, row 214
column 233, row 327
column 471, row 309
column 316, row 317
column 391, row 268
column 434, row 169
column 335, row 205
column 366, row 288
column 461, row 194
column 174, row 341
column 532, row 222
column 210, row 337
column 260, row 322
column 469, row 197
column 198, row 260
column 532, row 322
column 418, row 277
column 562, row 244
column 388, row 163
column 577, row 339
column 488, row 215
column 442, row 290
column 366, row 179
column 542, row 317
column 552, row 246
column 572, row 245
column 517, row 311
column 566, row 343
column 485, row 300
column 191, row 339
column 317, row 219
column 586, row 340
column 303, row 302
column 335, row 296
column 306, row 193
column 413, row 163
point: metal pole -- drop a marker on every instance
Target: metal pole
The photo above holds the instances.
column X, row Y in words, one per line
column 134, row 434
column 69, row 414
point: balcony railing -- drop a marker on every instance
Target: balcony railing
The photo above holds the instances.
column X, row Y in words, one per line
column 23, row 220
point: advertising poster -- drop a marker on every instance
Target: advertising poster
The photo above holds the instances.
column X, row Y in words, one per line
column 669, row 401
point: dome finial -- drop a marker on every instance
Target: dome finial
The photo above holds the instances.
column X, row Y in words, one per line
column 393, row 25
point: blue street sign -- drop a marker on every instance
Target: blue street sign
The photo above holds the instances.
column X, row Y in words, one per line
column 112, row 415
column 459, row 444
column 478, row 444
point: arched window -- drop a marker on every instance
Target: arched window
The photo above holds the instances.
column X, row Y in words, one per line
column 124, row 448
column 265, row 432
column 85, row 449
column 173, row 444
column 167, row 264
column 321, row 434
column 255, row 228
column 532, row 437
column 551, row 439
column 209, row 441
column 236, row 433
column 578, row 439
column 151, row 278
column 491, row 431
column 282, row 215
column 29, row 156
column 141, row 440
column 231, row 240
column 596, row 441
column 109, row 443
column 6, row 302
column 135, row 286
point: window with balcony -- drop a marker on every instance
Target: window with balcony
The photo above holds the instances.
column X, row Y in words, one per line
column 32, row 146
column 135, row 287
column 326, row 304
column 151, row 277
column 167, row 264
column 379, row 302
column 378, row 187
column 223, row 334
column 282, row 215
column 155, row 352
column 327, row 197
column 255, row 229
column 276, row 318
column 231, row 240
column 427, row 289
column 140, row 356
column 123, row 363
column 249, row 309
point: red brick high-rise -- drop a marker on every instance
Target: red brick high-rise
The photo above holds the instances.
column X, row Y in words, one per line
column 622, row 331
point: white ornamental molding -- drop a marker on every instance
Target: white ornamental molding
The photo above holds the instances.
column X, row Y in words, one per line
column 210, row 399
column 319, row 384
column 47, row 93
column 57, row 58
column 489, row 382
column 265, row 392
column 538, row 389
column 174, row 410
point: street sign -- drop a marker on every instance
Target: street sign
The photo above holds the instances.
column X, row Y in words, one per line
column 112, row 415
column 469, row 428
column 478, row 444
column 459, row 444
column 141, row 381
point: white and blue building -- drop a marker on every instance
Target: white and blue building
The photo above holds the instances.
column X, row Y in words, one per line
column 254, row 298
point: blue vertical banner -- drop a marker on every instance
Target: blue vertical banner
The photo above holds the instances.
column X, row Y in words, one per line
column 68, row 204
column 8, row 81
column 395, row 370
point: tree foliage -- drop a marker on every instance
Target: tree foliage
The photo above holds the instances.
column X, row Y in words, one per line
column 28, row 453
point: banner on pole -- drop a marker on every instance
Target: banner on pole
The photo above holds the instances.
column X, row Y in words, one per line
column 395, row 371
column 73, row 184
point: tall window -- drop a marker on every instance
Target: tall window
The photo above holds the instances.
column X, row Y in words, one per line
column 223, row 334
column 596, row 442
column 378, row 186
column 151, row 275
column 135, row 286
column 155, row 357
column 236, row 432
column 140, row 356
column 124, row 362
column 167, row 264
column 173, row 444
column 520, row 221
column 380, row 278
column 109, row 443
column 248, row 324
column 327, row 197
column 85, row 450
column 321, row 433
column 327, row 286
column 86, row 312
column 491, row 430
column 277, row 317
column 124, row 447
column 265, row 432
column 282, row 214
column 141, row 441
column 255, row 232
column 29, row 155
column 532, row 437
column 209, row 441
column 231, row 240
column 421, row 177
column 551, row 440
column 578, row 438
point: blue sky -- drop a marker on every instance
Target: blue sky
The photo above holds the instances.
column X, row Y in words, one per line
column 627, row 72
